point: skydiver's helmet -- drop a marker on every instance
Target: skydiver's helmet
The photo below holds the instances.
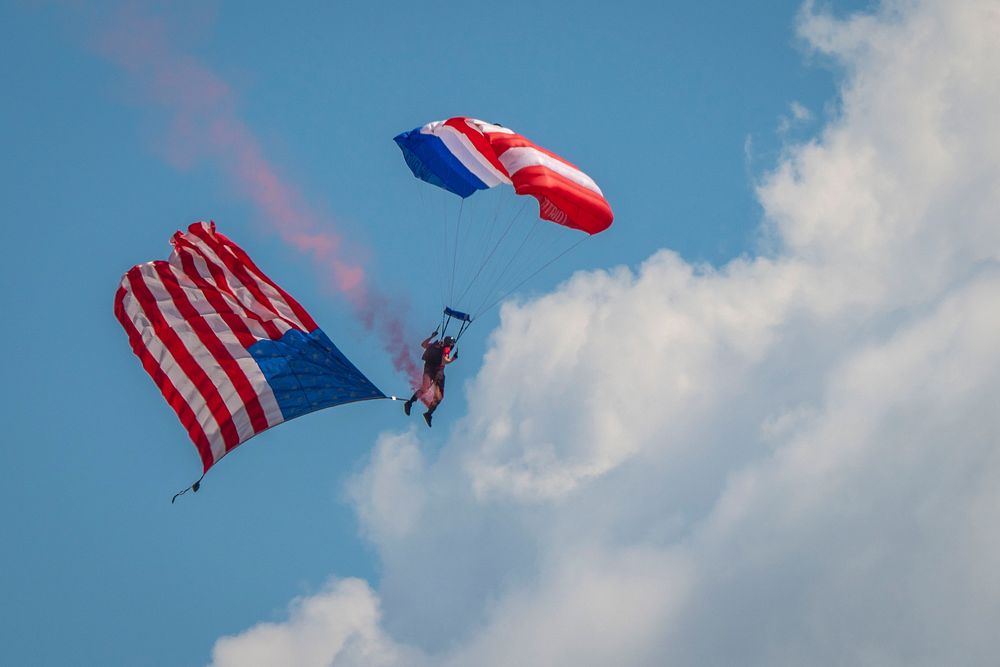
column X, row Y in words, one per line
column 449, row 341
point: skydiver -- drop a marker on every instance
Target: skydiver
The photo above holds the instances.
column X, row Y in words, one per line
column 436, row 356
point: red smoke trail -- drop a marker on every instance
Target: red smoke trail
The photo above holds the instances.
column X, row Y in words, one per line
column 205, row 125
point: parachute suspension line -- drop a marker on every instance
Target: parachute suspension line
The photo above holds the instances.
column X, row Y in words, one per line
column 532, row 228
column 502, row 197
column 497, row 271
column 535, row 273
column 537, row 250
column 454, row 255
column 194, row 488
column 469, row 235
column 482, row 264
column 516, row 265
column 446, row 248
column 427, row 204
column 440, row 253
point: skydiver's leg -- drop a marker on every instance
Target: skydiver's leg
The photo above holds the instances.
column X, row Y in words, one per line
column 438, row 387
column 409, row 404
column 438, row 392
column 421, row 392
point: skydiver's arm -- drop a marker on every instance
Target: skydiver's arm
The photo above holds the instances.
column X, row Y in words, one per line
column 425, row 343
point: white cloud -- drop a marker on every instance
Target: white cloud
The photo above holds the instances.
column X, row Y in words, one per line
column 387, row 495
column 338, row 625
column 798, row 115
column 792, row 459
column 799, row 112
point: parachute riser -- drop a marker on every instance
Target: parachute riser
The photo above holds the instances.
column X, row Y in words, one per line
column 448, row 315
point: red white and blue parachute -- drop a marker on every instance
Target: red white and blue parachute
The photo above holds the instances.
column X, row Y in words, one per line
column 463, row 155
column 231, row 351
column 488, row 253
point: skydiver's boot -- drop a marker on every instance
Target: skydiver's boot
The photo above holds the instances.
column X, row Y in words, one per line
column 406, row 407
column 427, row 417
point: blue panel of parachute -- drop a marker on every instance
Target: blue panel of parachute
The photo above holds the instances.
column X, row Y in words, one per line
column 430, row 160
column 307, row 372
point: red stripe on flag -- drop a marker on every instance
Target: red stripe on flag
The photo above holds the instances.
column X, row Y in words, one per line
column 215, row 346
column 233, row 319
column 218, row 271
column 173, row 397
column 295, row 306
column 219, row 284
column 237, row 268
column 189, row 365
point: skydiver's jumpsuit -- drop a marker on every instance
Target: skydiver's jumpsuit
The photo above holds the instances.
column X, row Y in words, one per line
column 436, row 356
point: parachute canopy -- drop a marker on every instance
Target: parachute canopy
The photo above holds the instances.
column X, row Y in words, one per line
column 232, row 352
column 463, row 155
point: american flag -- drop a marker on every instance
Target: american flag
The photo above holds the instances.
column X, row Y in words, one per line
column 232, row 352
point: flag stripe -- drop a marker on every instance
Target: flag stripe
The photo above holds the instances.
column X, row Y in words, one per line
column 221, row 345
column 273, row 325
column 156, row 371
column 194, row 342
column 235, row 315
column 261, row 290
column 307, row 322
column 248, row 325
column 168, row 365
column 244, row 324
column 203, row 386
column 165, row 345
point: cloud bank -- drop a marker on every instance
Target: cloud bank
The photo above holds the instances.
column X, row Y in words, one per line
column 792, row 459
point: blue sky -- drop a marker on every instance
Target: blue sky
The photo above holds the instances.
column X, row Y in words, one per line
column 678, row 110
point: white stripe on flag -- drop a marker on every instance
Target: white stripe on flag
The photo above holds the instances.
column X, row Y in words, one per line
column 248, row 365
column 159, row 351
column 271, row 291
column 201, row 354
column 201, row 266
column 238, row 289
